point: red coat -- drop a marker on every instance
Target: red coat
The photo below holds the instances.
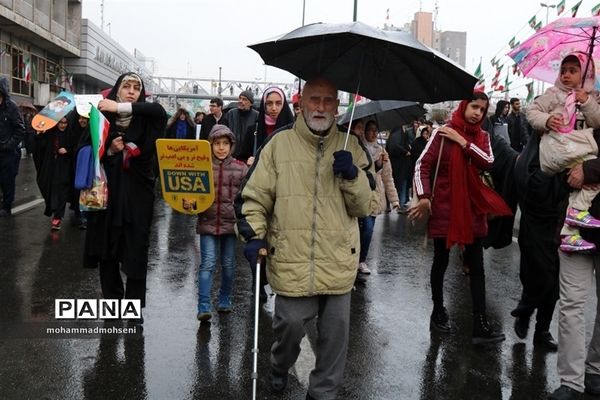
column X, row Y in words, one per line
column 423, row 179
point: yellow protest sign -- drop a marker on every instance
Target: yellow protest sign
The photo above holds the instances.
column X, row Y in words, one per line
column 186, row 175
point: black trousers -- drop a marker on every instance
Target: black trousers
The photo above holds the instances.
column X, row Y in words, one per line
column 112, row 284
column 9, row 165
column 473, row 257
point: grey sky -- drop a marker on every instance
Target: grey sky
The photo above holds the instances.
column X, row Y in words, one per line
column 193, row 38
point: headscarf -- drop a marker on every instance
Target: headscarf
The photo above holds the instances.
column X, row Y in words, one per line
column 122, row 120
column 284, row 118
column 589, row 82
column 469, row 197
column 500, row 106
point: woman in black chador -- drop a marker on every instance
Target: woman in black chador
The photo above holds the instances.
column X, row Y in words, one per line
column 53, row 158
column 118, row 237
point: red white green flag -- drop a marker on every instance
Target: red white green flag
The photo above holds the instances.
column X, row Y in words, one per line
column 596, row 10
column 99, row 132
column 560, row 7
column 575, row 8
column 27, row 71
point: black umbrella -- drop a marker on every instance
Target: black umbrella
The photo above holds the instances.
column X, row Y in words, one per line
column 388, row 113
column 382, row 65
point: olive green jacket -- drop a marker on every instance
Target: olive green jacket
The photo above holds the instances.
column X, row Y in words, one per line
column 307, row 215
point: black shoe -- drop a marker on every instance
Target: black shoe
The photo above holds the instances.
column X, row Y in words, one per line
column 522, row 326
column 440, row 321
column 278, row 381
column 5, row 212
column 545, row 340
column 483, row 332
column 592, row 384
column 565, row 393
column 309, row 397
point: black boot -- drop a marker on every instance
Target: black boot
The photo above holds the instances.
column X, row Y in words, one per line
column 440, row 321
column 483, row 333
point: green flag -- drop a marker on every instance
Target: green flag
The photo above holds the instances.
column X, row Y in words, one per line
column 596, row 10
column 532, row 22
column 478, row 73
column 512, row 42
column 538, row 26
column 529, row 87
column 560, row 7
column 575, row 8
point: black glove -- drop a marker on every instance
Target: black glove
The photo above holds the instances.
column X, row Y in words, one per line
column 342, row 165
column 252, row 248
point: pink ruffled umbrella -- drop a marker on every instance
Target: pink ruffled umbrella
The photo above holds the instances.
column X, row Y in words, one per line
column 539, row 56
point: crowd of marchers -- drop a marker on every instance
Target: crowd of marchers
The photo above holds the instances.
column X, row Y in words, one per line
column 288, row 180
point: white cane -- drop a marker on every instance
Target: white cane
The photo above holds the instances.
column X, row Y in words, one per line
column 262, row 253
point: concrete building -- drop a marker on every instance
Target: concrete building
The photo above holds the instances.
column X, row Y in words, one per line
column 454, row 45
column 35, row 36
column 422, row 28
column 102, row 60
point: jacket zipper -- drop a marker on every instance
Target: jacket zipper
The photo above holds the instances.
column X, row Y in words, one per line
column 311, row 288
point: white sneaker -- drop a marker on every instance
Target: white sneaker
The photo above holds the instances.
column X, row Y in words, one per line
column 363, row 268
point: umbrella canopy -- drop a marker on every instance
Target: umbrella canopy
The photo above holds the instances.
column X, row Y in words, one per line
column 539, row 57
column 388, row 65
column 389, row 114
column 27, row 105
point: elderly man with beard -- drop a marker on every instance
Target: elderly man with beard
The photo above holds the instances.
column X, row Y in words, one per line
column 303, row 198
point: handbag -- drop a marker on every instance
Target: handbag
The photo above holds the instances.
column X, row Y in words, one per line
column 96, row 197
column 84, row 168
column 414, row 200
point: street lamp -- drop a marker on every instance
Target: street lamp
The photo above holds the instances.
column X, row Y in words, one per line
column 548, row 7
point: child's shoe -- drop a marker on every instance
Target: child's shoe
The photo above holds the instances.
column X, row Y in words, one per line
column 582, row 219
column 575, row 243
column 225, row 306
column 204, row 312
column 55, row 226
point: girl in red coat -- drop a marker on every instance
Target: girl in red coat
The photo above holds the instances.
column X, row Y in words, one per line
column 459, row 205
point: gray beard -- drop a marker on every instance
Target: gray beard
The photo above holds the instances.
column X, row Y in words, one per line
column 318, row 125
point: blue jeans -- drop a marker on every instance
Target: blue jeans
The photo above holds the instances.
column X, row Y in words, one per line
column 209, row 246
column 365, row 227
column 403, row 192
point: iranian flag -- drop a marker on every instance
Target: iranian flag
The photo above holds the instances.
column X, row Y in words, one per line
column 99, row 132
column 27, row 71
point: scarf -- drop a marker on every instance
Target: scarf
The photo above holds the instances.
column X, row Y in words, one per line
column 181, row 129
column 468, row 195
column 270, row 121
column 123, row 119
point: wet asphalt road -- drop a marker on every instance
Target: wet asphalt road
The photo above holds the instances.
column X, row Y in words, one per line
column 392, row 354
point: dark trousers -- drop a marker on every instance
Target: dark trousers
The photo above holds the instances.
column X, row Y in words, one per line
column 333, row 324
column 112, row 284
column 9, row 164
column 539, row 267
column 473, row 257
